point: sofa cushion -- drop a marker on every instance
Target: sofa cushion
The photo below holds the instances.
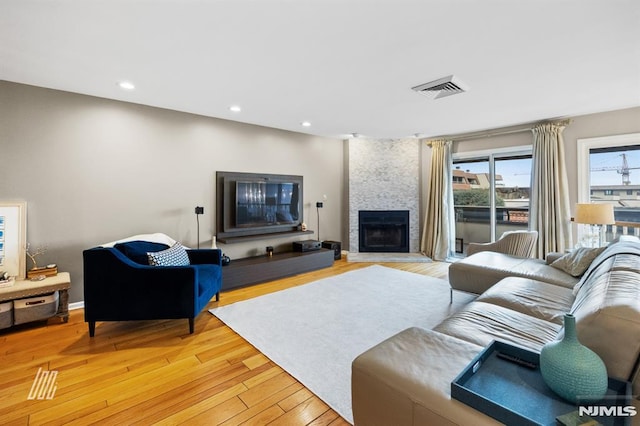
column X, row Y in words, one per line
column 478, row 272
column 607, row 311
column 481, row 323
column 176, row 255
column 577, row 261
column 534, row 298
column 137, row 250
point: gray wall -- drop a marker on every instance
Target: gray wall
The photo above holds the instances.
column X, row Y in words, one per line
column 93, row 170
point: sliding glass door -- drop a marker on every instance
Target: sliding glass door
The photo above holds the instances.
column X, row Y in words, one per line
column 491, row 196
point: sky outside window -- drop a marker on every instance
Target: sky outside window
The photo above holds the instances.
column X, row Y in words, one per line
column 612, row 162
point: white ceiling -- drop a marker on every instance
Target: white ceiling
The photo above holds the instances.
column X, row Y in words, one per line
column 346, row 66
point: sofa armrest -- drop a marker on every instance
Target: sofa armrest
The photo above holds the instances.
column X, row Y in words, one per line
column 205, row 256
column 406, row 381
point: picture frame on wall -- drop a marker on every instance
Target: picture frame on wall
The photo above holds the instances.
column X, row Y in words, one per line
column 13, row 238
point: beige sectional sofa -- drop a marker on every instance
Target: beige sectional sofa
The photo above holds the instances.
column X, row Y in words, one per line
column 477, row 273
column 406, row 379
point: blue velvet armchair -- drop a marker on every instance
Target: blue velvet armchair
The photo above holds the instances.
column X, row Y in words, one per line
column 119, row 286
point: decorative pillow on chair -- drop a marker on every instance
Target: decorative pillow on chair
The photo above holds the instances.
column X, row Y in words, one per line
column 577, row 261
column 176, row 255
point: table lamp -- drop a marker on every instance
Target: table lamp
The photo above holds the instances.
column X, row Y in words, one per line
column 594, row 215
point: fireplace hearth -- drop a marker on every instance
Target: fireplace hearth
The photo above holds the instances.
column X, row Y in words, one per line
column 383, row 231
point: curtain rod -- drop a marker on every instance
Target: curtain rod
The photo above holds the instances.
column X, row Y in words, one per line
column 489, row 134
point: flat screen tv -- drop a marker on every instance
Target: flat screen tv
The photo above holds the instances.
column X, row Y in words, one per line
column 251, row 204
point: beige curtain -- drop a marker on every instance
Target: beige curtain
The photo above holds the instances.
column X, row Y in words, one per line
column 549, row 212
column 439, row 226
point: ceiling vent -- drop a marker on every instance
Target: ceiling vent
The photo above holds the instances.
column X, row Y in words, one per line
column 442, row 87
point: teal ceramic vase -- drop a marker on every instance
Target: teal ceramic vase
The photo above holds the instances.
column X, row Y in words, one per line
column 571, row 370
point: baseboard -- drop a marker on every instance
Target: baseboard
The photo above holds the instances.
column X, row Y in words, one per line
column 76, row 305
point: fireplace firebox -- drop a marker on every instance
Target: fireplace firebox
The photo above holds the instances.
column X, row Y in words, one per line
column 383, row 231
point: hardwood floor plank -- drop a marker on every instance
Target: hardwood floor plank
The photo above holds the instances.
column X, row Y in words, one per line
column 150, row 372
column 219, row 413
column 65, row 419
column 327, row 418
column 269, row 404
column 265, row 416
column 261, row 391
column 296, row 399
column 256, row 361
column 264, row 376
column 303, row 413
column 194, row 410
column 147, row 408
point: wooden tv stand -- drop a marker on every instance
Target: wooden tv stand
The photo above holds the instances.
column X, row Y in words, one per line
column 258, row 269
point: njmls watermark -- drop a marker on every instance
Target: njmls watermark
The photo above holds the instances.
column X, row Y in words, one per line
column 44, row 385
column 613, row 411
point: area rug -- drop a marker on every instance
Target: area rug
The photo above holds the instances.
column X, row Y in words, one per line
column 316, row 330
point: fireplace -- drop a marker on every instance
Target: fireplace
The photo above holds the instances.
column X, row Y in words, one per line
column 383, row 231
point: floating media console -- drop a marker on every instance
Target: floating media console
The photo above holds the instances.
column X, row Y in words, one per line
column 258, row 269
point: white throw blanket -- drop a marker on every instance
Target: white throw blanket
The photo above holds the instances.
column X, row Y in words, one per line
column 154, row 238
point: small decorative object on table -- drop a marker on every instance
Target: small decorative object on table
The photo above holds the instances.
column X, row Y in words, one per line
column 36, row 272
column 572, row 370
column 50, row 270
column 6, row 280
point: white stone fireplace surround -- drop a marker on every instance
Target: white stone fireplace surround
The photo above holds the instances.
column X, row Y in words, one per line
column 384, row 175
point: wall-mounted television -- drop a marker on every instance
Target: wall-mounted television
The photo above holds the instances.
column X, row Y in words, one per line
column 251, row 204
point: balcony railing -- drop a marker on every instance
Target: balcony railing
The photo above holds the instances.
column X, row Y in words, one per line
column 516, row 216
column 473, row 224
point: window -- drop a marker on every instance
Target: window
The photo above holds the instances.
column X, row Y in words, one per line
column 609, row 172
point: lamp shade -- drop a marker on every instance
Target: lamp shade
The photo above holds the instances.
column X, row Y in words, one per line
column 595, row 214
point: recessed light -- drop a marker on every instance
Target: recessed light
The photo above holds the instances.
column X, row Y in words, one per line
column 235, row 108
column 306, row 124
column 126, row 85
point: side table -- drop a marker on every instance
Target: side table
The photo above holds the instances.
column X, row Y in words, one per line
column 27, row 288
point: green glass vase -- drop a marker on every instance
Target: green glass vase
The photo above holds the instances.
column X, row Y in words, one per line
column 571, row 370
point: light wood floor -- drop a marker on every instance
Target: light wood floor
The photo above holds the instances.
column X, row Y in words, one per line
column 155, row 372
